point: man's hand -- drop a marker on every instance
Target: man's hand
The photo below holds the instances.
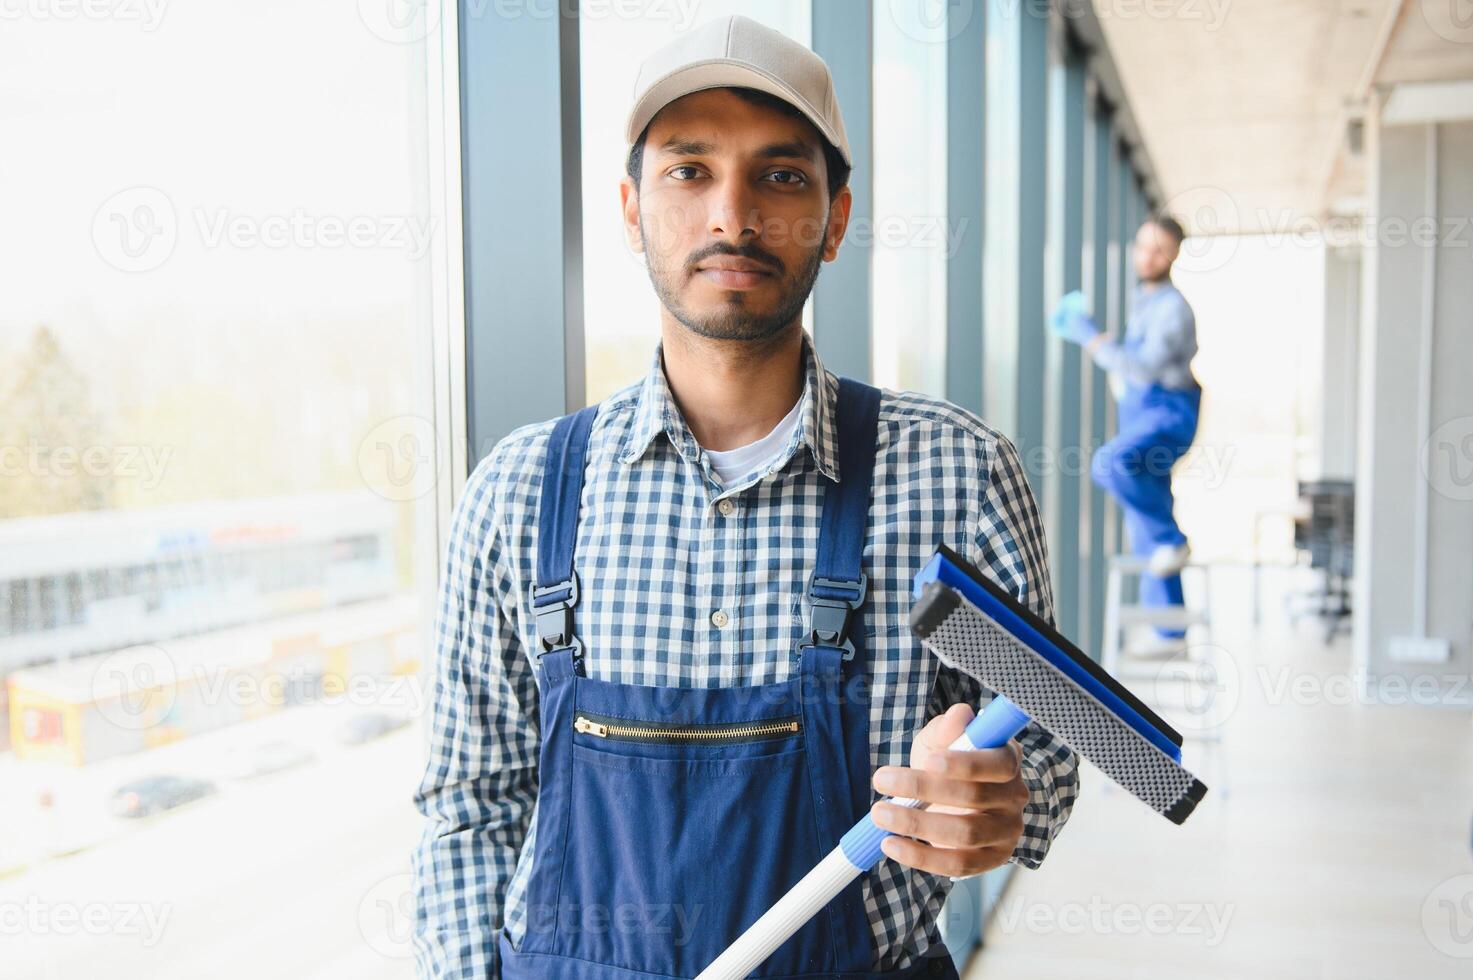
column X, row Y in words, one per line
column 977, row 799
column 1070, row 321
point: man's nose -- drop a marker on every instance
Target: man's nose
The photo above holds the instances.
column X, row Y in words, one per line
column 733, row 212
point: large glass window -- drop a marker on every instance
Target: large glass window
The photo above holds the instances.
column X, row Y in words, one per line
column 911, row 234
column 622, row 313
column 1001, row 261
column 215, row 435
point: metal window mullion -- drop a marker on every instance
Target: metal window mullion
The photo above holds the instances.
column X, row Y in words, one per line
column 1098, row 402
column 520, row 128
column 965, row 209
column 1121, row 276
column 843, row 35
column 1062, row 487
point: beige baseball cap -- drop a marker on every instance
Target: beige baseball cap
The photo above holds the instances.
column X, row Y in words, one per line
column 738, row 51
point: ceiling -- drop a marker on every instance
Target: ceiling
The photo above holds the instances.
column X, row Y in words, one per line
column 1245, row 106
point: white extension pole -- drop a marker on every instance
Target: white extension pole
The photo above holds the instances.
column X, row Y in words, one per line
column 802, row 902
column 857, row 852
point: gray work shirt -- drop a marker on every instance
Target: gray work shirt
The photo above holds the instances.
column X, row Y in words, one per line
column 1160, row 340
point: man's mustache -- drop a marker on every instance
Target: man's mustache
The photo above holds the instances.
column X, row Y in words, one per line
column 772, row 262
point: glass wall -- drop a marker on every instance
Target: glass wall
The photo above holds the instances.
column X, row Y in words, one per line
column 225, row 336
column 217, row 510
column 911, row 234
column 1001, row 261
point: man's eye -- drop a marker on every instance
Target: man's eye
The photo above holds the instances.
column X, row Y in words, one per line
column 796, row 177
column 680, row 168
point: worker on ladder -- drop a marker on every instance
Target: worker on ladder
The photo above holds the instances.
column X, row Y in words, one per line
column 1157, row 398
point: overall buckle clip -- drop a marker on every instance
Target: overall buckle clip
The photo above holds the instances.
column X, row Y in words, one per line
column 553, row 606
column 828, row 616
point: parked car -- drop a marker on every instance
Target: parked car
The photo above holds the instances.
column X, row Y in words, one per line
column 155, row 794
column 367, row 727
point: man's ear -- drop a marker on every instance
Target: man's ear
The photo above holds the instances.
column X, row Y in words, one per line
column 629, row 202
column 838, row 222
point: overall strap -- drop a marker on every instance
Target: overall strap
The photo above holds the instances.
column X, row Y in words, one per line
column 555, row 592
column 838, row 584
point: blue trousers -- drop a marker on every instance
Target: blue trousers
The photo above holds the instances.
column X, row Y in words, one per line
column 1156, row 426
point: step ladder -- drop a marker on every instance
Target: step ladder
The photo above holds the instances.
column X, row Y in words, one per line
column 1187, row 688
column 1120, row 617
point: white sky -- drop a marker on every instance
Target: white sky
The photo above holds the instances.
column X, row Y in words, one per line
column 249, row 108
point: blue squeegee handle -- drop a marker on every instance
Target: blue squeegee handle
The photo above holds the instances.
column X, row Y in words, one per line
column 993, row 728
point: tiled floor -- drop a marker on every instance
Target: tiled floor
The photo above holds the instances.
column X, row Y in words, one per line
column 1334, row 841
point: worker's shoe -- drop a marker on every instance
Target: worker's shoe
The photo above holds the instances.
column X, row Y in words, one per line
column 1168, row 559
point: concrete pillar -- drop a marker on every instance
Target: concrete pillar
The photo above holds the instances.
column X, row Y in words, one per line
column 1414, row 453
column 1335, row 427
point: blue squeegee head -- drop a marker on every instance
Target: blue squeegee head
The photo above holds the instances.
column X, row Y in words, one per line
column 967, row 639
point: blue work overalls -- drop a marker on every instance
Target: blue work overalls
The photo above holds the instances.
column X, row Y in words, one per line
column 1155, row 426
column 669, row 819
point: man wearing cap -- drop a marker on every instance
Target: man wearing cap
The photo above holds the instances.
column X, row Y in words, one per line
column 673, row 661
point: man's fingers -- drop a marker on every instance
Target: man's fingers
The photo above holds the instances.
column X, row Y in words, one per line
column 940, row 732
column 953, row 862
column 999, row 765
column 986, row 784
column 955, row 830
column 935, row 787
column 984, row 765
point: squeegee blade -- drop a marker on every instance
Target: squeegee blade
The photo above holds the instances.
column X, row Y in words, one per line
column 967, row 639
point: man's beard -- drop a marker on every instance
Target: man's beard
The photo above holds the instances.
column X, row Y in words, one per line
column 733, row 321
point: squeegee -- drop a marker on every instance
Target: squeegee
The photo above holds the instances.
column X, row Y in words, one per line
column 974, row 626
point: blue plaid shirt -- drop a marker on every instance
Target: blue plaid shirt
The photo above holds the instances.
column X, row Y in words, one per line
column 662, row 546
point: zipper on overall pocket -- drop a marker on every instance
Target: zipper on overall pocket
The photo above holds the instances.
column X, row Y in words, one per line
column 602, row 726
